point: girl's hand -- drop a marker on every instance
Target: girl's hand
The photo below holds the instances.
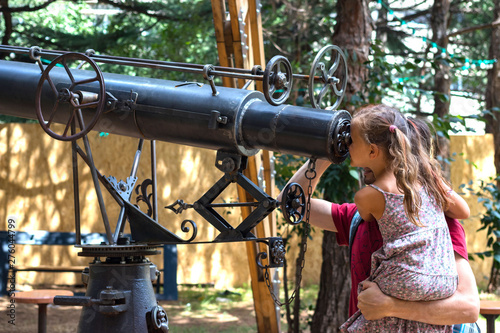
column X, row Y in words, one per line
column 372, row 302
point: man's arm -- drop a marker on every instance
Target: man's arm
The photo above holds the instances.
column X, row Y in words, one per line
column 321, row 210
column 461, row 307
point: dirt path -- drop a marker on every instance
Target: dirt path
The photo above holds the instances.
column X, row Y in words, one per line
column 236, row 317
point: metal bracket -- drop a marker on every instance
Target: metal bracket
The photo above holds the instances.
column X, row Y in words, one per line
column 216, row 119
column 207, row 75
column 231, row 164
column 123, row 188
column 35, row 56
column 276, row 254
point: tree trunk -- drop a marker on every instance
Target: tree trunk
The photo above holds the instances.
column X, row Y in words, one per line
column 353, row 34
column 493, row 122
column 492, row 101
column 334, row 289
column 7, row 18
column 442, row 80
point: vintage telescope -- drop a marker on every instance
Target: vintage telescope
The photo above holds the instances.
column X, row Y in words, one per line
column 237, row 123
column 188, row 113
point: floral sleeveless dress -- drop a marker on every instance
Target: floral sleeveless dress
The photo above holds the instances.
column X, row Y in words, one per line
column 414, row 264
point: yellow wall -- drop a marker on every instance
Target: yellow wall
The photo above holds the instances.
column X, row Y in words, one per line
column 478, row 149
column 36, row 186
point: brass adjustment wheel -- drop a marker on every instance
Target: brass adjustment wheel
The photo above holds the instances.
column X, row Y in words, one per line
column 72, row 96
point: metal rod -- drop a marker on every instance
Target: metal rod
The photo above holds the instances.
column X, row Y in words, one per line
column 120, row 225
column 235, row 204
column 137, row 158
column 237, row 73
column 153, row 178
column 115, row 196
column 42, row 318
column 76, row 189
column 95, row 179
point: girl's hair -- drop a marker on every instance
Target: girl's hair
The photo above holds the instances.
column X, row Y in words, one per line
column 408, row 146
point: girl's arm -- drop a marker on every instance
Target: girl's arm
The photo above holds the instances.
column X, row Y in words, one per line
column 458, row 209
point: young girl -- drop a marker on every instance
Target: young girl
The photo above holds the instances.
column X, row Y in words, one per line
column 408, row 200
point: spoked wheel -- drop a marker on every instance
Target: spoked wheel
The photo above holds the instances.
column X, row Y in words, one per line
column 71, row 96
column 277, row 80
column 330, row 67
column 293, row 204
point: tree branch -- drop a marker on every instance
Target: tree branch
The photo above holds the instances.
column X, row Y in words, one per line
column 26, row 8
column 137, row 7
column 406, row 18
column 477, row 27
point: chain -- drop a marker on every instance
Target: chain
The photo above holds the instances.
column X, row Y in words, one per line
column 310, row 174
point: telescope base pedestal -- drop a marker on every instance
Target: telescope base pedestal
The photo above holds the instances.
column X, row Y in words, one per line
column 120, row 298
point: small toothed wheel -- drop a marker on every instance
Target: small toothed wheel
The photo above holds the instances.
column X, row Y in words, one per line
column 293, row 204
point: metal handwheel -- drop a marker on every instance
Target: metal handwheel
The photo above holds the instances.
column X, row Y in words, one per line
column 293, row 204
column 331, row 67
column 277, row 85
column 76, row 99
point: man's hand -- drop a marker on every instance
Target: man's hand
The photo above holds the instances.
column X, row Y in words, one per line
column 461, row 307
column 372, row 302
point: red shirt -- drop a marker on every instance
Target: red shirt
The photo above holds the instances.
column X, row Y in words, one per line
column 368, row 239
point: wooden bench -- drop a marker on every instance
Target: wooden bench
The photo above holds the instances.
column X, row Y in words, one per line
column 490, row 310
column 42, row 237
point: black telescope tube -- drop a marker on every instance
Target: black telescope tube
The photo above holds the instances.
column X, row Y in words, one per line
column 292, row 129
column 185, row 113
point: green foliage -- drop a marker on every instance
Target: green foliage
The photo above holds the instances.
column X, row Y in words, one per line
column 444, row 125
column 285, row 166
column 339, row 183
column 489, row 197
column 59, row 24
column 160, row 30
column 293, row 28
column 11, row 119
column 379, row 82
